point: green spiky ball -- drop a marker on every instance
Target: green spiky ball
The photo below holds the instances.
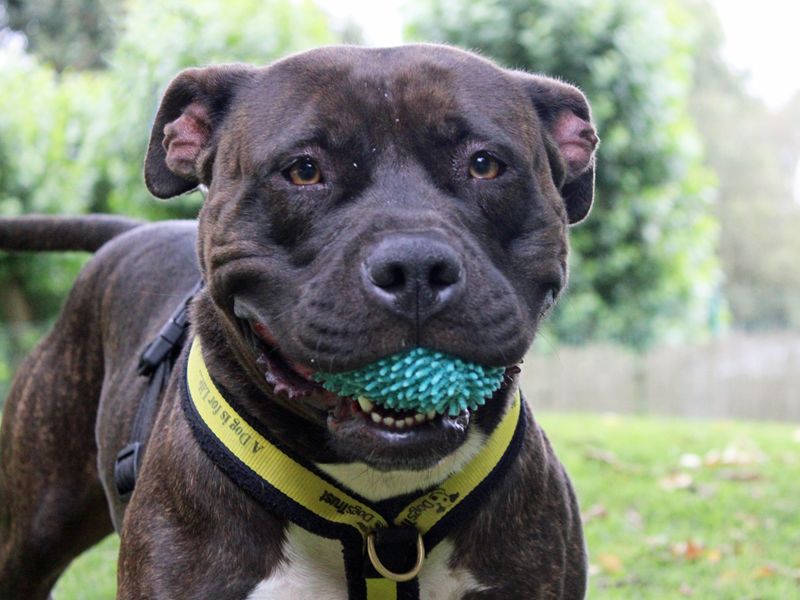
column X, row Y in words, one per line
column 419, row 380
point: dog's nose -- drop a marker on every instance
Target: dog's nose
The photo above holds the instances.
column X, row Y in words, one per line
column 414, row 275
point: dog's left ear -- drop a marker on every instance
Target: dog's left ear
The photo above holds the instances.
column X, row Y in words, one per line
column 571, row 140
column 183, row 141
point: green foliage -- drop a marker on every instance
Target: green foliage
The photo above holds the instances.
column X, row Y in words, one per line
column 643, row 265
column 158, row 41
column 65, row 33
column 42, row 123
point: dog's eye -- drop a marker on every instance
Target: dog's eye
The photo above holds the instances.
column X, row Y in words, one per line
column 303, row 171
column 483, row 165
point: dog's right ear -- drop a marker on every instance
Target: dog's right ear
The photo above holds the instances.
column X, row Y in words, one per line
column 571, row 140
column 183, row 140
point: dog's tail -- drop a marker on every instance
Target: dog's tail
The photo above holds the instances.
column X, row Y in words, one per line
column 50, row 233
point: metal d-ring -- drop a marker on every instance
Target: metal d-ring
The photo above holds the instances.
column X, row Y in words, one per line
column 382, row 570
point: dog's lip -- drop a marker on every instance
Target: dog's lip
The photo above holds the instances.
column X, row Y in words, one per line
column 263, row 332
column 247, row 315
column 348, row 419
column 292, row 383
column 351, row 411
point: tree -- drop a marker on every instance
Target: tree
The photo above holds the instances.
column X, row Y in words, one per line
column 753, row 151
column 643, row 265
column 65, row 33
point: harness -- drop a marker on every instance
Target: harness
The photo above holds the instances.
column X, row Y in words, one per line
column 155, row 362
column 384, row 544
column 383, row 548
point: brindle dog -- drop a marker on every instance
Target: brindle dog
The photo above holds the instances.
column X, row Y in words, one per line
column 361, row 202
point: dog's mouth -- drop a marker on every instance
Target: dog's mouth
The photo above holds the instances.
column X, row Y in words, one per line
column 361, row 429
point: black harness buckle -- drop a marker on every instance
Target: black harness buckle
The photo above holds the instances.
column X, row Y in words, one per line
column 126, row 469
column 155, row 362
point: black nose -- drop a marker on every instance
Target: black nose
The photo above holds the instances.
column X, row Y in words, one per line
column 415, row 275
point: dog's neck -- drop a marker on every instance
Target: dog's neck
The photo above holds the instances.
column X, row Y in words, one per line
column 377, row 485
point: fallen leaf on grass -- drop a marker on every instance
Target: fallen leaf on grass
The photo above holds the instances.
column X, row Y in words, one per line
column 740, row 453
column 601, row 455
column 732, row 475
column 776, row 570
column 607, row 457
column 676, row 481
column 714, row 555
column 605, row 582
column 691, row 461
column 688, row 550
column 765, row 572
column 611, row 563
column 596, row 511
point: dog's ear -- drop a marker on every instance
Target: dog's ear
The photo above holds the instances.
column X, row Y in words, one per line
column 571, row 140
column 183, row 142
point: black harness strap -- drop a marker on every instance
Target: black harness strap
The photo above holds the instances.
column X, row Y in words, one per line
column 155, row 362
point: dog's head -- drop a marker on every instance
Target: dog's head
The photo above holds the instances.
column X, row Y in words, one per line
column 363, row 202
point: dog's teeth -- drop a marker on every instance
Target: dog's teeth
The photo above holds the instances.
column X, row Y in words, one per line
column 431, row 415
column 419, row 418
column 388, row 421
column 400, row 423
column 365, row 404
column 376, row 417
column 409, row 421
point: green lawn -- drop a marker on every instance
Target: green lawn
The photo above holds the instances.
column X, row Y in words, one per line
column 93, row 575
column 673, row 509
column 678, row 509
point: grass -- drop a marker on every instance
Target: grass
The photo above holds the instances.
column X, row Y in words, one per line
column 677, row 509
column 92, row 576
column 673, row 509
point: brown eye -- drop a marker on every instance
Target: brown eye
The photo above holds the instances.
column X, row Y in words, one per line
column 483, row 165
column 303, row 171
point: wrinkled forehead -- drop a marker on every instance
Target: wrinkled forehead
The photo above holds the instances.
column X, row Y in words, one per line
column 341, row 93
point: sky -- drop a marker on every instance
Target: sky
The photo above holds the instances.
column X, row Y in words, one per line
column 380, row 20
column 762, row 38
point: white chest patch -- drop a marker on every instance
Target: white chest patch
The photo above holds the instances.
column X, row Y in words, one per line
column 377, row 485
column 313, row 569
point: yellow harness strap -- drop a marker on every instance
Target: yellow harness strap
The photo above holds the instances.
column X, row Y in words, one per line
column 310, row 490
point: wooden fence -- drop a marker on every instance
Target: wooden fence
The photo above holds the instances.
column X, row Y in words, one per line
column 748, row 376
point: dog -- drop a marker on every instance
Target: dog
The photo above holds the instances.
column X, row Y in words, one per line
column 360, row 202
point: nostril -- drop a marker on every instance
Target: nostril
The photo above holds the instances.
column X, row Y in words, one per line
column 389, row 276
column 443, row 274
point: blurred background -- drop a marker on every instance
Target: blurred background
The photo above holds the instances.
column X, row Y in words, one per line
column 684, row 299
